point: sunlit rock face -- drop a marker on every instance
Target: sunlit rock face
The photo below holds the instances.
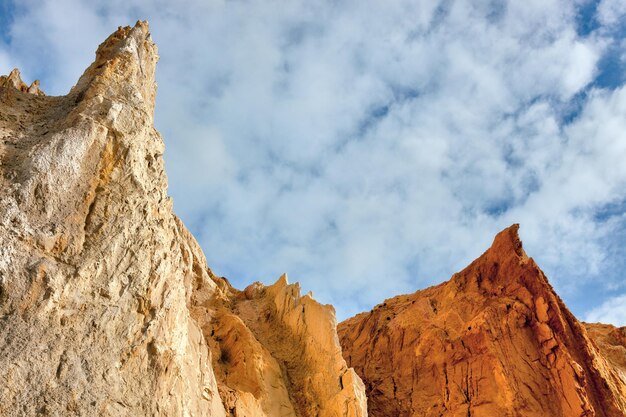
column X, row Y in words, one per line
column 14, row 79
column 494, row 340
column 278, row 354
column 107, row 306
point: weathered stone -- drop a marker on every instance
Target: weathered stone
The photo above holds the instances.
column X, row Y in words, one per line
column 495, row 340
column 278, row 354
column 107, row 306
column 14, row 80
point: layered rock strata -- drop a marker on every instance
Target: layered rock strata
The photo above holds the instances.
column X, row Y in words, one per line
column 494, row 340
column 107, row 306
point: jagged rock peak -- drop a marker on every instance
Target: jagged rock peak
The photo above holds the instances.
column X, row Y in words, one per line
column 107, row 305
column 124, row 69
column 95, row 269
column 495, row 340
column 14, row 80
column 508, row 242
column 126, row 39
column 497, row 270
column 279, row 354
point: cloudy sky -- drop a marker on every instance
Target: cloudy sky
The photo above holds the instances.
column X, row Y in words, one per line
column 372, row 148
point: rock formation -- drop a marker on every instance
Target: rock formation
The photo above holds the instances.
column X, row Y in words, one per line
column 278, row 354
column 107, row 306
column 14, row 79
column 494, row 340
column 611, row 341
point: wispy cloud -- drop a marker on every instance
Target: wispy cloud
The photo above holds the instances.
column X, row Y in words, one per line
column 612, row 311
column 372, row 149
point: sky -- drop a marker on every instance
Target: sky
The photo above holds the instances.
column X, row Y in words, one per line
column 371, row 149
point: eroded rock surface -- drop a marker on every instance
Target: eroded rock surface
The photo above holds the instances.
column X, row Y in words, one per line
column 107, row 306
column 277, row 354
column 494, row 340
column 95, row 270
column 14, row 79
column 611, row 341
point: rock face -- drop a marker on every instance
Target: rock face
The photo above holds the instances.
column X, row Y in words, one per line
column 278, row 354
column 494, row 340
column 611, row 341
column 107, row 306
column 14, row 80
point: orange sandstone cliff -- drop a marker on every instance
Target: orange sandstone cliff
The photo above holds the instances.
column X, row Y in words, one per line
column 494, row 340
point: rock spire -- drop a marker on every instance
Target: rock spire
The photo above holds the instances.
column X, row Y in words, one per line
column 107, row 306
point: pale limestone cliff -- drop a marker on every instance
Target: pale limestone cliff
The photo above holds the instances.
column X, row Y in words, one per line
column 494, row 340
column 107, row 307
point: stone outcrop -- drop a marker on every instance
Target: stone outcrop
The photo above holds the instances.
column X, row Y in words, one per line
column 494, row 340
column 107, row 306
column 14, row 79
column 611, row 341
column 278, row 354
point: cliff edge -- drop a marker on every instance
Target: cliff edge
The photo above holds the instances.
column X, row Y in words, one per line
column 107, row 306
column 494, row 340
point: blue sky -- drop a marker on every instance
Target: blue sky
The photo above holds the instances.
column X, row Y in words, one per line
column 371, row 149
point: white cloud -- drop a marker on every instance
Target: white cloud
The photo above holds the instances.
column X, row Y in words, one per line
column 56, row 39
column 370, row 149
column 611, row 12
column 5, row 62
column 611, row 311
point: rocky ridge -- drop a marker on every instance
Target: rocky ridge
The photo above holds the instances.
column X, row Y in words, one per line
column 14, row 79
column 494, row 340
column 107, row 306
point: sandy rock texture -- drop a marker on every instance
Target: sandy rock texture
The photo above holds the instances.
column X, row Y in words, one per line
column 14, row 79
column 494, row 340
column 278, row 354
column 107, row 306
column 95, row 271
column 611, row 341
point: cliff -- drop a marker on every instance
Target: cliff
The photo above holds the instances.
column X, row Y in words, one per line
column 611, row 342
column 494, row 340
column 107, row 306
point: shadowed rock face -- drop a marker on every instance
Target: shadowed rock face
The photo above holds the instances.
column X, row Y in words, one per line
column 611, row 341
column 107, row 306
column 495, row 340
